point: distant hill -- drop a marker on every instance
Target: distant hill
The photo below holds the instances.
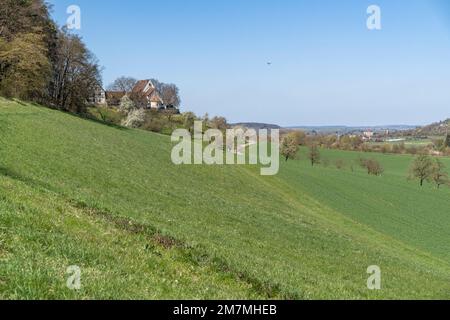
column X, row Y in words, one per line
column 256, row 125
column 348, row 129
column 435, row 129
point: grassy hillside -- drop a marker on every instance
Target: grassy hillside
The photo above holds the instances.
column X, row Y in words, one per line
column 108, row 199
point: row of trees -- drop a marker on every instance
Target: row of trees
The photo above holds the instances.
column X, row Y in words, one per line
column 290, row 145
column 39, row 62
column 425, row 168
column 356, row 143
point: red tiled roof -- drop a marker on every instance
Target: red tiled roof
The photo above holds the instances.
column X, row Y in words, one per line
column 152, row 94
column 140, row 86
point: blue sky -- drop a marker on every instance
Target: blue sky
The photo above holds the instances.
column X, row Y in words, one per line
column 327, row 67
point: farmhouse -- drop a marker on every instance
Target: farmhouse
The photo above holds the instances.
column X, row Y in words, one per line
column 144, row 94
column 99, row 97
column 147, row 95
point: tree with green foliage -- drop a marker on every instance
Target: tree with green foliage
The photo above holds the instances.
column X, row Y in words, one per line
column 25, row 68
column 289, row 147
column 300, row 137
column 438, row 173
column 40, row 63
column 314, row 154
column 421, row 168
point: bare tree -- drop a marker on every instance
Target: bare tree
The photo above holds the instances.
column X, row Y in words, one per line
column 170, row 95
column 123, row 84
column 314, row 154
column 76, row 74
column 219, row 123
column 421, row 168
column 438, row 173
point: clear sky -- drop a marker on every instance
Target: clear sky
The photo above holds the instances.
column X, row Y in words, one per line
column 327, row 67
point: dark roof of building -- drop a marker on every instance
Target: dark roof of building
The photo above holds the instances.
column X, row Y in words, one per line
column 115, row 94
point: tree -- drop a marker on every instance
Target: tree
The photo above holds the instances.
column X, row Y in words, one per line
column 314, row 154
column 421, row 168
column 28, row 46
column 374, row 167
column 438, row 173
column 300, row 137
column 126, row 104
column 447, row 140
column 25, row 16
column 289, row 147
column 25, row 68
column 170, row 95
column 76, row 74
column 123, row 84
column 219, row 123
column 135, row 118
column 189, row 119
column 41, row 63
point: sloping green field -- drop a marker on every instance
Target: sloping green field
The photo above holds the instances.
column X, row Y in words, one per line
column 109, row 200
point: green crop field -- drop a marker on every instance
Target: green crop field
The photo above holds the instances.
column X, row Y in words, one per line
column 109, row 200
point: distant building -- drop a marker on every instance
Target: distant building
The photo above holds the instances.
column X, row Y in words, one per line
column 99, row 97
column 368, row 135
column 113, row 98
column 144, row 94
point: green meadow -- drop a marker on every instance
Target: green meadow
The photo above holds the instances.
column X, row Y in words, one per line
column 109, row 200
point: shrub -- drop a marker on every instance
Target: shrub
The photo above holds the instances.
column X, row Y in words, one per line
column 289, row 147
column 106, row 115
column 134, row 119
column 372, row 166
column 126, row 104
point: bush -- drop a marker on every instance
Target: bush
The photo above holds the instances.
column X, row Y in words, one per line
column 134, row 119
column 106, row 115
column 372, row 166
column 154, row 125
column 386, row 148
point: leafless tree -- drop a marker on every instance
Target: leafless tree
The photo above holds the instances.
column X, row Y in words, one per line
column 314, row 154
column 76, row 74
column 170, row 94
column 123, row 84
